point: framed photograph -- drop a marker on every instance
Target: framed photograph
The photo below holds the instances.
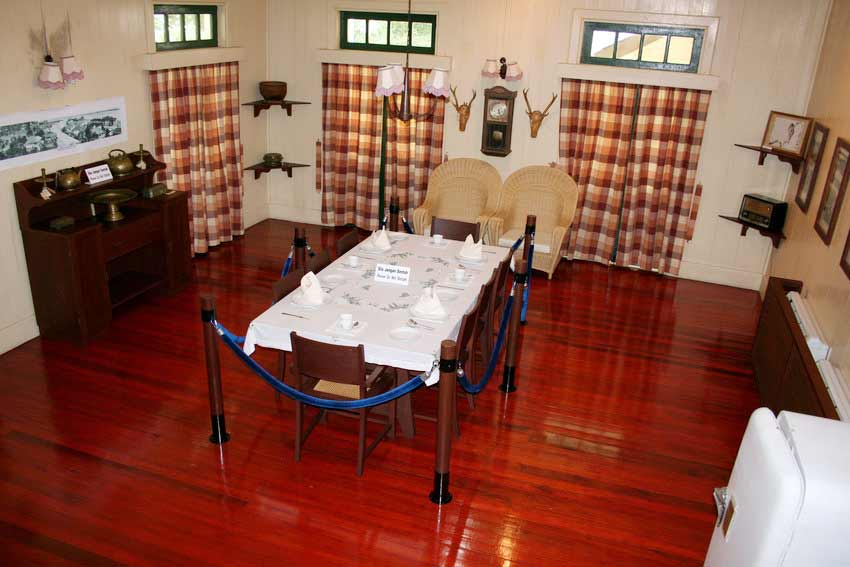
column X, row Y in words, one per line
column 787, row 133
column 845, row 257
column 833, row 191
column 811, row 167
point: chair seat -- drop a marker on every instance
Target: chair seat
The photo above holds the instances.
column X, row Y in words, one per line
column 350, row 391
column 542, row 241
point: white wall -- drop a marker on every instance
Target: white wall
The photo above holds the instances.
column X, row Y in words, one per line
column 765, row 56
column 107, row 37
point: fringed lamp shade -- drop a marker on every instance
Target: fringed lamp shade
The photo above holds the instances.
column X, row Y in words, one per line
column 50, row 76
column 491, row 68
column 390, row 80
column 71, row 70
column 438, row 83
column 514, row 73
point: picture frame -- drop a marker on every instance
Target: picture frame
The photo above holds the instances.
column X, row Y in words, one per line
column 845, row 257
column 787, row 134
column 811, row 166
column 833, row 191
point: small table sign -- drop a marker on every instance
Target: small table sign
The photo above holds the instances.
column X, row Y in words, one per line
column 98, row 174
column 387, row 273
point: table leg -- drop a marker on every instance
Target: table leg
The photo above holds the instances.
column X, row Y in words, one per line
column 404, row 406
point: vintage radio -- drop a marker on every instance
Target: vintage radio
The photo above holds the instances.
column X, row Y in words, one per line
column 763, row 211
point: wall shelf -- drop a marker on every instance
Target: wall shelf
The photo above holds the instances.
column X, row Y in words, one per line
column 764, row 152
column 261, row 168
column 775, row 235
column 261, row 105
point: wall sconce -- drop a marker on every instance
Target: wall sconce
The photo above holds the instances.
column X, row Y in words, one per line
column 50, row 76
column 71, row 70
column 502, row 69
column 437, row 83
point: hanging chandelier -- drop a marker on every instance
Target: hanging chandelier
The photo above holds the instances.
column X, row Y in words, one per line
column 393, row 80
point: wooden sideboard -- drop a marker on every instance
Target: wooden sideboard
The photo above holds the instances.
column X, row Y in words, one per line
column 79, row 274
column 786, row 374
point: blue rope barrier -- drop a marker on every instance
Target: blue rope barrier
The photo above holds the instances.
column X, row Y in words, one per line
column 287, row 265
column 516, row 244
column 494, row 356
column 300, row 396
column 407, row 228
column 527, row 281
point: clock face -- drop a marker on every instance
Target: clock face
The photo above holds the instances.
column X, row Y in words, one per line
column 497, row 111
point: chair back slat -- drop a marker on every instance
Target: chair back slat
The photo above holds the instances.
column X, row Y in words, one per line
column 318, row 262
column 287, row 284
column 347, row 242
column 324, row 361
column 454, row 229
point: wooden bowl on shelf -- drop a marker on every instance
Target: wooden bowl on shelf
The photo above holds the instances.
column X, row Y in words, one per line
column 273, row 90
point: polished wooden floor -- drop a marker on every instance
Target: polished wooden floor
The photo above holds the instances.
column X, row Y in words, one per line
column 634, row 392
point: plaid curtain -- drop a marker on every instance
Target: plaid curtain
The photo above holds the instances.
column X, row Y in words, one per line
column 414, row 149
column 660, row 200
column 596, row 120
column 196, row 131
column 351, row 148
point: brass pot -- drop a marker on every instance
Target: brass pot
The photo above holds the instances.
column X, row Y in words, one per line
column 119, row 163
column 68, row 179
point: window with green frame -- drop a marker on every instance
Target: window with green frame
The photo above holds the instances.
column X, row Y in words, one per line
column 382, row 31
column 185, row 26
column 669, row 48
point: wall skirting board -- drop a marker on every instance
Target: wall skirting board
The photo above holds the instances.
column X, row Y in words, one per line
column 721, row 275
column 295, row 214
column 18, row 333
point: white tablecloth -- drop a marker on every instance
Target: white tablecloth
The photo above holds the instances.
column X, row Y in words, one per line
column 381, row 307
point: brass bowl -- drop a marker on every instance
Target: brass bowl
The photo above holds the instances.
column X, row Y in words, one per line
column 112, row 198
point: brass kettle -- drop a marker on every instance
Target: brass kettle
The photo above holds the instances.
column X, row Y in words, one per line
column 119, row 162
column 68, row 179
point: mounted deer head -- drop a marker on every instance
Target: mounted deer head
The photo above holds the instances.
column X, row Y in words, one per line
column 462, row 109
column 535, row 116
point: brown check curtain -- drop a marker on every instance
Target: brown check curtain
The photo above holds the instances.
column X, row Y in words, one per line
column 351, row 145
column 596, row 120
column 661, row 198
column 196, row 132
column 414, row 148
column 647, row 172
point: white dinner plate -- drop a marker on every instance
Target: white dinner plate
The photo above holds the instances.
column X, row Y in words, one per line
column 470, row 260
column 398, row 237
column 426, row 316
column 332, row 278
column 367, row 248
column 446, row 294
column 404, row 333
column 298, row 299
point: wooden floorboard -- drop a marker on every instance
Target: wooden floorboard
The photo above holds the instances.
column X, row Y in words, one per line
column 634, row 391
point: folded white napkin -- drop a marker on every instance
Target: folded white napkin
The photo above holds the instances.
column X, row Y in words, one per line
column 311, row 290
column 471, row 249
column 429, row 304
column 380, row 240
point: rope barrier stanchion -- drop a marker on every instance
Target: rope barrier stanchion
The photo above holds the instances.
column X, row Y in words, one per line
column 528, row 255
column 445, row 422
column 299, row 242
column 219, row 428
column 407, row 228
column 394, row 210
column 509, row 378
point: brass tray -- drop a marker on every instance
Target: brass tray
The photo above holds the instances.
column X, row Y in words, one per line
column 112, row 198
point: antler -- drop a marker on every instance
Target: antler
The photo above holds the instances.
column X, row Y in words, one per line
column 527, row 104
column 454, row 94
column 554, row 98
column 474, row 94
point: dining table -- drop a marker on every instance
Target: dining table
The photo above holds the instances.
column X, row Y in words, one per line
column 383, row 318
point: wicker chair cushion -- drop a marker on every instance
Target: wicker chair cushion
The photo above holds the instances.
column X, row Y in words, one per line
column 542, row 241
column 351, row 391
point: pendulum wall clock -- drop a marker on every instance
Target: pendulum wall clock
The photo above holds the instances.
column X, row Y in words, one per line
column 498, row 121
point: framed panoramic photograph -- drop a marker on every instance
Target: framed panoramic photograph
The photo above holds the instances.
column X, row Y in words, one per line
column 811, row 168
column 833, row 191
column 845, row 257
column 787, row 133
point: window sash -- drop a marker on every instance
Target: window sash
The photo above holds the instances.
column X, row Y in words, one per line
column 388, row 17
column 643, row 30
column 182, row 10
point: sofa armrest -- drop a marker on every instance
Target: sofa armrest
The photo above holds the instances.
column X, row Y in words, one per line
column 494, row 230
column 421, row 219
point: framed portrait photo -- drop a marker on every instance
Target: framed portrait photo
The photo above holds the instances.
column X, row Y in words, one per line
column 845, row 257
column 787, row 133
column 833, row 191
column 811, row 167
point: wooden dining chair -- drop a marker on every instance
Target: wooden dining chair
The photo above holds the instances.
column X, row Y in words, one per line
column 497, row 299
column 280, row 289
column 468, row 339
column 454, row 229
column 484, row 322
column 318, row 262
column 338, row 372
column 347, row 242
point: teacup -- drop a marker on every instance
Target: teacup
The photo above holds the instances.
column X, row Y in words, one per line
column 460, row 274
column 437, row 239
column 353, row 261
column 346, row 321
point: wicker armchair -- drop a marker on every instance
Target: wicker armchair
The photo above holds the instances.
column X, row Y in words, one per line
column 462, row 189
column 539, row 190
